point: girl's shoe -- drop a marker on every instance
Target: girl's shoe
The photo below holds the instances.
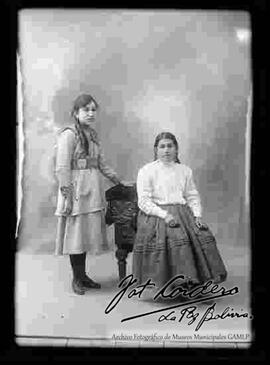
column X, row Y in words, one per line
column 78, row 287
column 89, row 283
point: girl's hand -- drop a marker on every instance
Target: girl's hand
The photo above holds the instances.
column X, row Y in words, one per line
column 169, row 219
column 199, row 223
column 116, row 181
column 67, row 192
column 68, row 206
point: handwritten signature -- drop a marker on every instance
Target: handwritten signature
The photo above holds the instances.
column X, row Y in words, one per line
column 209, row 315
column 207, row 292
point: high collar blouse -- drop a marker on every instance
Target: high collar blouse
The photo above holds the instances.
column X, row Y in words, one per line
column 161, row 183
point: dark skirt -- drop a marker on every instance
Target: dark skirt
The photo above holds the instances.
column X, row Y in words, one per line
column 161, row 252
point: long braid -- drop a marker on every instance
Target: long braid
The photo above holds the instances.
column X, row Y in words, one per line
column 82, row 136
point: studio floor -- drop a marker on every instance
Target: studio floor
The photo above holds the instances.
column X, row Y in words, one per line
column 48, row 312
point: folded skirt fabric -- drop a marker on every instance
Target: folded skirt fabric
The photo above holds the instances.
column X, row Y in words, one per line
column 161, row 252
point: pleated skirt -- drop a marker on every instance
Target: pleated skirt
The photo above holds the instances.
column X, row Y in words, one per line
column 82, row 233
column 161, row 252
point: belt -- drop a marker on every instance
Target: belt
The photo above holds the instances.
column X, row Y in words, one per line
column 84, row 163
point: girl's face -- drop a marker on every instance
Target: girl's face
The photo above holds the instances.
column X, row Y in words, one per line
column 166, row 150
column 87, row 114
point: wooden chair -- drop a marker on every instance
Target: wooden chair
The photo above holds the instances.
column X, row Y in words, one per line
column 122, row 211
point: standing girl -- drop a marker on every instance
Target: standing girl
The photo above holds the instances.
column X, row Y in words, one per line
column 171, row 237
column 81, row 199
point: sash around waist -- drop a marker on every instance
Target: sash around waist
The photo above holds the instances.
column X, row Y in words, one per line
column 84, row 163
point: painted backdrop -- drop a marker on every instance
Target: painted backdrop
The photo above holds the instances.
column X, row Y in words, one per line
column 185, row 72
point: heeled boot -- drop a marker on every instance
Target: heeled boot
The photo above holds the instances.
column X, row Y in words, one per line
column 87, row 282
column 78, row 274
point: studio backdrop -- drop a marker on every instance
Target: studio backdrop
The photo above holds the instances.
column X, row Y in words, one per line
column 150, row 71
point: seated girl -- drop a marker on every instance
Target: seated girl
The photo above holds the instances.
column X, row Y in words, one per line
column 171, row 236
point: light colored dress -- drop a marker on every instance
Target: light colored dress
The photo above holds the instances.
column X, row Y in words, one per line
column 84, row 230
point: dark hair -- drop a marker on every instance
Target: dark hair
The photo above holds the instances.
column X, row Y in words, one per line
column 166, row 135
column 81, row 101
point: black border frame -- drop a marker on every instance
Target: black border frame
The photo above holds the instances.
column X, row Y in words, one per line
column 258, row 192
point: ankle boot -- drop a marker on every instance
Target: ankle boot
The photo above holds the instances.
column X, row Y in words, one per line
column 77, row 284
column 87, row 282
column 78, row 287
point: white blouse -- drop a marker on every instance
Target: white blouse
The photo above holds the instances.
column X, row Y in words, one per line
column 170, row 183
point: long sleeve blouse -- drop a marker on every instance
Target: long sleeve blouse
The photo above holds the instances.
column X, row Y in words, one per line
column 86, row 184
column 171, row 183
